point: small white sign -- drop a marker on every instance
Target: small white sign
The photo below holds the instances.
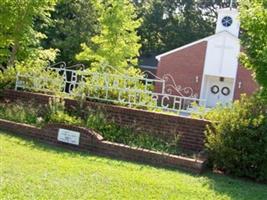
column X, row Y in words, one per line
column 68, row 136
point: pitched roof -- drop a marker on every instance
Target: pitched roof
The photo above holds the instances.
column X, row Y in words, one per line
column 196, row 42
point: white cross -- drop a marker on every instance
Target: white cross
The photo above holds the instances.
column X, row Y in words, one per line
column 231, row 4
column 223, row 47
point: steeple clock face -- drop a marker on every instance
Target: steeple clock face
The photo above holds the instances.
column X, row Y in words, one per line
column 227, row 21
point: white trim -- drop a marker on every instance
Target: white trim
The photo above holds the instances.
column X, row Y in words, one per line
column 202, row 95
column 233, row 95
column 235, row 79
column 193, row 43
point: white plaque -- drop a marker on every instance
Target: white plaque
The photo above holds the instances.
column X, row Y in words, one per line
column 68, row 136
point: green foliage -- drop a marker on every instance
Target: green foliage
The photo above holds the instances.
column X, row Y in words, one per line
column 20, row 43
column 38, row 78
column 169, row 24
column 56, row 113
column 73, row 23
column 122, row 85
column 117, row 43
column 34, row 114
column 18, row 112
column 18, row 37
column 64, row 118
column 253, row 16
column 237, row 138
column 113, row 132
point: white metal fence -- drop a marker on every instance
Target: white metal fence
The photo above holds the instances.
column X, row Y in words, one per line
column 112, row 86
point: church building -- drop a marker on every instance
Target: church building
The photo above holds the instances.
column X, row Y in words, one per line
column 210, row 65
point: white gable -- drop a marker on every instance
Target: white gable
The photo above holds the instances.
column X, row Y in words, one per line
column 222, row 55
column 194, row 43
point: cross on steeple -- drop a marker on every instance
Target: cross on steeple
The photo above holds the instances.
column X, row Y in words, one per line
column 231, row 4
column 226, row 3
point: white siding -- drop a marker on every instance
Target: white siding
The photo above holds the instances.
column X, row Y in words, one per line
column 222, row 56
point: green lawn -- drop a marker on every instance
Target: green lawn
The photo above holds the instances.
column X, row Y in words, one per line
column 30, row 170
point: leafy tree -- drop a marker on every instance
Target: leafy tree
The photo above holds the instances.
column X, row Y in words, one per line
column 189, row 24
column 152, row 26
column 253, row 16
column 18, row 38
column 117, row 44
column 74, row 22
column 212, row 5
column 170, row 24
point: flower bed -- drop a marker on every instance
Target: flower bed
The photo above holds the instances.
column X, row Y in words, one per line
column 54, row 112
column 190, row 131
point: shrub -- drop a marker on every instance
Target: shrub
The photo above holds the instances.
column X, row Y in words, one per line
column 41, row 79
column 34, row 66
column 237, row 138
column 126, row 135
column 65, row 118
column 18, row 112
column 56, row 113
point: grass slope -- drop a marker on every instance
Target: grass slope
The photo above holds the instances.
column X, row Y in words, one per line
column 30, row 170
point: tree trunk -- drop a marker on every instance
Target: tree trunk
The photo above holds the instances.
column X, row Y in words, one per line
column 12, row 58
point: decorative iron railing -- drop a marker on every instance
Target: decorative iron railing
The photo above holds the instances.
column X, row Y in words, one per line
column 113, row 86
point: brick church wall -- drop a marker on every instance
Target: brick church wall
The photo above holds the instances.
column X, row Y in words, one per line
column 184, row 66
column 248, row 85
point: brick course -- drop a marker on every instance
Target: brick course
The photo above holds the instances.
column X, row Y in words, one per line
column 90, row 141
column 190, row 131
column 248, row 85
column 184, row 66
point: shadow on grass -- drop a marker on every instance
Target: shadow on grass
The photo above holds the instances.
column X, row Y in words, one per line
column 233, row 188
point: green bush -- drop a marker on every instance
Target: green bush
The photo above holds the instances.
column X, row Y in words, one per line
column 237, row 138
column 48, row 81
column 55, row 112
column 126, row 135
column 35, row 66
column 18, row 112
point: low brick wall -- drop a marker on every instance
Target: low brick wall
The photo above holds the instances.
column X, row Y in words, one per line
column 91, row 141
column 190, row 131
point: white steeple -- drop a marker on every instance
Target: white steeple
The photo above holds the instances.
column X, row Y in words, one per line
column 228, row 21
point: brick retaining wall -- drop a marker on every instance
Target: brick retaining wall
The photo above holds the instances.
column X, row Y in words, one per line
column 190, row 131
column 93, row 142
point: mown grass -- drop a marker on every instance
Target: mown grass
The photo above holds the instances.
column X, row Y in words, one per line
column 30, row 170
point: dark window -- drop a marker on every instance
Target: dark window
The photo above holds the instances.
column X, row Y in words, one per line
column 227, row 21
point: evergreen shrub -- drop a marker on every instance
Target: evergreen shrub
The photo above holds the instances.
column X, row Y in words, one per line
column 237, row 138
